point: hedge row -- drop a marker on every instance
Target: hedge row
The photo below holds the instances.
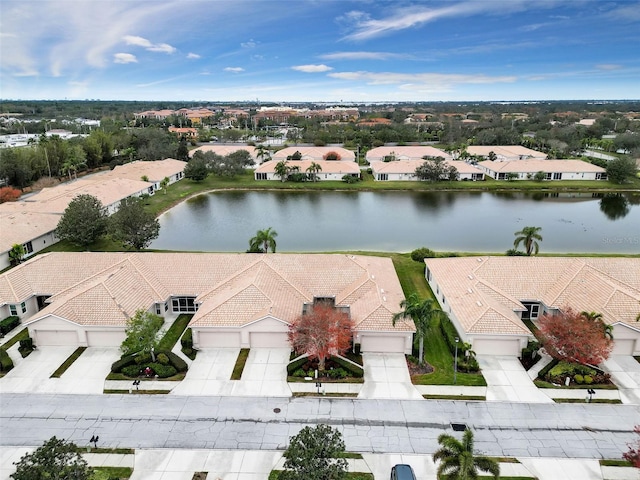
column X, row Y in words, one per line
column 137, row 360
column 9, row 324
column 6, row 363
column 293, row 366
column 349, row 367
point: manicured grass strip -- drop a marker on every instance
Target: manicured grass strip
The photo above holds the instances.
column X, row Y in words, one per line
column 103, row 450
column 107, row 473
column 581, row 400
column 455, row 397
column 136, row 392
column 121, row 376
column 543, row 384
column 22, row 335
column 174, row 333
column 333, row 395
column 292, row 379
column 505, row 460
column 240, row 363
column 615, row 463
column 68, row 362
column 275, row 475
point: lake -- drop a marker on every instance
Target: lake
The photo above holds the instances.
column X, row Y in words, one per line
column 402, row 221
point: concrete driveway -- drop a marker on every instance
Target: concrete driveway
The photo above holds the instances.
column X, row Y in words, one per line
column 380, row 464
column 209, row 373
column 265, row 374
column 625, row 373
column 508, row 381
column 85, row 376
column 386, row 376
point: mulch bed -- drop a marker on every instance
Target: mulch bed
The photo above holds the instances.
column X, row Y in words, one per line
column 415, row 369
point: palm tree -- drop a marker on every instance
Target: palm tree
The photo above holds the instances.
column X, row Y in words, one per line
column 597, row 317
column 263, row 153
column 282, row 170
column 423, row 313
column 313, row 169
column 164, row 183
column 263, row 241
column 457, row 461
column 529, row 236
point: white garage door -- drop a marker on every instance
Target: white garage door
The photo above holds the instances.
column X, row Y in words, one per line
column 623, row 346
column 105, row 339
column 494, row 346
column 56, row 337
column 370, row 343
column 269, row 340
column 219, row 339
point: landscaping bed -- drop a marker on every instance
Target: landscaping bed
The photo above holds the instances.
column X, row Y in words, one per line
column 555, row 375
column 337, row 370
column 167, row 366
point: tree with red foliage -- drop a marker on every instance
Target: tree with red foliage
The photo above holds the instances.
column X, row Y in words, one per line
column 9, row 194
column 571, row 336
column 320, row 333
column 633, row 455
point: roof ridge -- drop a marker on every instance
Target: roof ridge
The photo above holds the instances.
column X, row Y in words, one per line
column 131, row 259
column 576, row 262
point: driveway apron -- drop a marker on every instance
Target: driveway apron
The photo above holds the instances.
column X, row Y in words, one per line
column 508, row 381
column 386, row 376
column 625, row 373
column 265, row 374
column 209, row 373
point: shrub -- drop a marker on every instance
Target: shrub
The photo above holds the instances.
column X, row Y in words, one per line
column 350, row 179
column 119, row 365
column 348, row 367
column 6, row 363
column 131, row 370
column 332, row 156
column 336, row 373
column 9, row 324
column 142, row 358
column 178, row 363
column 26, row 346
column 187, row 339
column 588, row 379
column 512, row 252
column 162, row 371
column 579, row 378
column 162, row 359
column 296, row 365
column 299, row 373
column 319, row 142
column 419, row 254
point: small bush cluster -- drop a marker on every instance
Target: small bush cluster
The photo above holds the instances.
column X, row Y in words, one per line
column 466, row 361
column 9, row 324
column 166, row 365
column 335, row 368
column 350, row 179
column 419, row 254
column 26, row 346
column 187, row 342
column 579, row 374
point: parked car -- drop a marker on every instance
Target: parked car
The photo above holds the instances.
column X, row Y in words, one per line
column 402, row 472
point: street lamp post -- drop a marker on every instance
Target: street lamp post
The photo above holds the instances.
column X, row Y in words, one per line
column 455, row 364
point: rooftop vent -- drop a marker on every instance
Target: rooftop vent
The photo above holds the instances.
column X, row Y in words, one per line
column 479, row 260
column 469, row 290
column 470, row 277
column 459, row 427
column 479, row 303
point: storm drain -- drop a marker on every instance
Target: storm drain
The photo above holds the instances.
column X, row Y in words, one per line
column 459, row 427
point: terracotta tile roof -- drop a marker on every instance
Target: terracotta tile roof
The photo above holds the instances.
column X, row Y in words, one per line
column 328, row 166
column 314, row 153
column 506, row 151
column 232, row 289
column 406, row 153
column 485, row 292
column 23, row 226
column 155, row 171
column 409, row 166
column 547, row 166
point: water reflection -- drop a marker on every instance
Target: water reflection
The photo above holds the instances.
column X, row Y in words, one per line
column 614, row 205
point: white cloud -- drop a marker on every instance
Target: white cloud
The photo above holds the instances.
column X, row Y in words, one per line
column 152, row 47
column 192, row 55
column 124, row 58
column 312, row 68
column 234, row 69
column 432, row 80
column 363, row 56
column 250, row 44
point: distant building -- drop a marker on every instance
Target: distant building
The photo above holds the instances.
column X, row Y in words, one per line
column 505, row 152
column 553, row 169
column 400, row 170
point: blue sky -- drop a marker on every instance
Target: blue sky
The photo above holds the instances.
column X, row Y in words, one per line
column 322, row 50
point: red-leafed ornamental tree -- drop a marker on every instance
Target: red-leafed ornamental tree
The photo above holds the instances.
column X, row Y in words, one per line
column 574, row 337
column 320, row 333
column 633, row 455
column 9, row 194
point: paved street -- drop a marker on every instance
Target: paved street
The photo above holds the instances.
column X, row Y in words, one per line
column 380, row 426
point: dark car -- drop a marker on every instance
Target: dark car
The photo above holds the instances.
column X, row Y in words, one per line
column 402, row 472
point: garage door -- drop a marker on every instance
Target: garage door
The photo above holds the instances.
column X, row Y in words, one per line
column 56, row 337
column 370, row 343
column 493, row 346
column 219, row 339
column 623, row 346
column 269, row 340
column 105, row 339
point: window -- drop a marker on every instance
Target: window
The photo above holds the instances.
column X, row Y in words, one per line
column 533, row 311
column 28, row 248
column 166, row 306
column 158, row 309
column 184, row 305
column 13, row 310
column 383, row 176
column 261, row 176
column 428, row 274
column 557, row 176
column 548, row 176
column 23, row 307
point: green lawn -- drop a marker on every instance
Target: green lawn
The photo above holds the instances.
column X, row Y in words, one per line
column 174, row 332
column 68, row 362
column 21, row 335
column 108, row 473
column 240, row 363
